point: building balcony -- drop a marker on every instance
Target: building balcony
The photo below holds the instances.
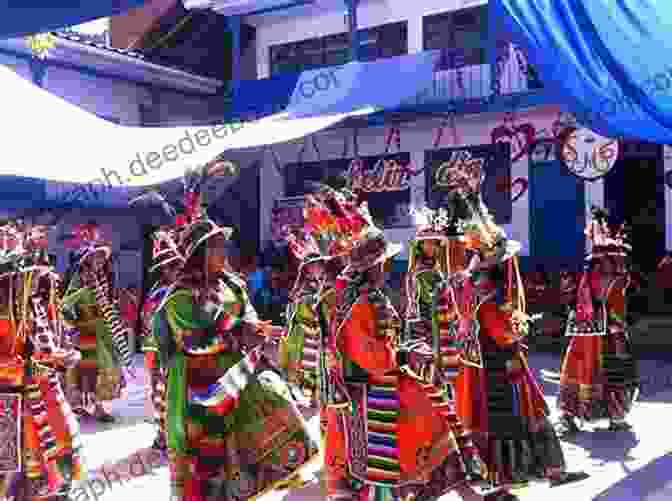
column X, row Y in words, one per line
column 455, row 87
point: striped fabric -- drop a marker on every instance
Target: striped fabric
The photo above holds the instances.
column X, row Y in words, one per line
column 228, row 388
column 382, row 412
column 110, row 311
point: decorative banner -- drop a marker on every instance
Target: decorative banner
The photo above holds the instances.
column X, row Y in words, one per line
column 444, row 166
column 286, row 211
column 385, row 181
column 519, row 136
column 587, row 154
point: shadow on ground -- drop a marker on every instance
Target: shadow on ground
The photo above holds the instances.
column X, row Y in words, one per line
column 650, row 483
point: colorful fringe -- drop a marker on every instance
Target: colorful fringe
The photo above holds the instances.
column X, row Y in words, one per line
column 113, row 319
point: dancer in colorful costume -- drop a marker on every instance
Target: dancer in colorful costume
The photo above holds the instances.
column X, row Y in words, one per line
column 233, row 430
column 318, row 248
column 90, row 307
column 41, row 448
column 300, row 347
column 482, row 312
column 390, row 435
column 167, row 262
column 598, row 377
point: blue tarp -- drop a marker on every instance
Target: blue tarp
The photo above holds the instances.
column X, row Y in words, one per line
column 382, row 84
column 26, row 17
column 259, row 98
column 604, row 60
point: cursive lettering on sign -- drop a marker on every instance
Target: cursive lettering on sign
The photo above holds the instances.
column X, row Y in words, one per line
column 386, row 175
column 460, row 169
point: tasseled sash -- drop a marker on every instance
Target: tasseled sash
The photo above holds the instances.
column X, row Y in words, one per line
column 110, row 311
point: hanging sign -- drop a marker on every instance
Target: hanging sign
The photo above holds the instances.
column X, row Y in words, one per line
column 485, row 168
column 388, row 174
column 384, row 180
column 587, row 154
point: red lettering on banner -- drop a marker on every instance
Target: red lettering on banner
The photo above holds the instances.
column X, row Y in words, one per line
column 387, row 175
column 461, row 169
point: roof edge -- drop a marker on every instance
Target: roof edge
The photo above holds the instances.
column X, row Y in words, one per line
column 133, row 66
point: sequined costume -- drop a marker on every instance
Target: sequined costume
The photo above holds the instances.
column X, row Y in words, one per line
column 40, row 457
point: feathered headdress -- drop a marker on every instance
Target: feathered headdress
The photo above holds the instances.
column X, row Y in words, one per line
column 303, row 246
column 334, row 220
column 604, row 241
column 198, row 228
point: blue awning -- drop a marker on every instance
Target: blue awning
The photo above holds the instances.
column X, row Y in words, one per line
column 383, row 84
column 248, row 101
column 26, row 17
column 604, row 61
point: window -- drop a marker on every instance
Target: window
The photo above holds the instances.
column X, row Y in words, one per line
column 464, row 30
column 389, row 40
column 384, row 41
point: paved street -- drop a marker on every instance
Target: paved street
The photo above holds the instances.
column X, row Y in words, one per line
column 623, row 466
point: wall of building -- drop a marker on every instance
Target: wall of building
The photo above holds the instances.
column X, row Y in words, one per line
column 417, row 138
column 328, row 18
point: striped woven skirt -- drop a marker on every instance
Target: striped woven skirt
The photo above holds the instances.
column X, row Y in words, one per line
column 397, row 438
column 598, row 378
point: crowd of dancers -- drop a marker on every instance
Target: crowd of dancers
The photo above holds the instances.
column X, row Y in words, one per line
column 411, row 407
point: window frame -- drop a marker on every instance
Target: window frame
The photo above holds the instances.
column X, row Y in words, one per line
column 434, row 25
column 397, row 30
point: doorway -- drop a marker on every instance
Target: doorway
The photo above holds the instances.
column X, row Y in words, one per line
column 634, row 192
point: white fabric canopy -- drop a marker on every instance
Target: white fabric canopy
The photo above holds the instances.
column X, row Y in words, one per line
column 48, row 138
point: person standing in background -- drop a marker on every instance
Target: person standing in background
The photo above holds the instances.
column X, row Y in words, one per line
column 598, row 376
column 90, row 307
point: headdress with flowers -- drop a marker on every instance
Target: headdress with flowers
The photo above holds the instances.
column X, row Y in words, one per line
column 334, row 220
